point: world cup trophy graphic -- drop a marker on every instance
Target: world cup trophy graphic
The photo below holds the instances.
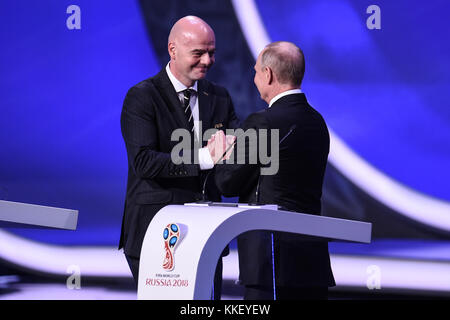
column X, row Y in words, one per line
column 171, row 235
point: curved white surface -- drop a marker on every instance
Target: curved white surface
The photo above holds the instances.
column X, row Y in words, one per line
column 349, row 271
column 410, row 203
column 207, row 231
column 57, row 260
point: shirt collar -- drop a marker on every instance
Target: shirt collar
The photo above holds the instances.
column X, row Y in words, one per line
column 282, row 94
column 177, row 83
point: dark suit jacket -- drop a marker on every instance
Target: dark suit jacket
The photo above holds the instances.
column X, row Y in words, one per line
column 297, row 186
column 151, row 112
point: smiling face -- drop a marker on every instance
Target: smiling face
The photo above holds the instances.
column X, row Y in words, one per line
column 191, row 48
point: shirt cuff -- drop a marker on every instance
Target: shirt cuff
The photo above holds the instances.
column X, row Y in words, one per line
column 204, row 159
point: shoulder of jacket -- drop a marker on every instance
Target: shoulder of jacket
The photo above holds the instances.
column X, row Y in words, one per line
column 258, row 119
column 143, row 88
column 145, row 84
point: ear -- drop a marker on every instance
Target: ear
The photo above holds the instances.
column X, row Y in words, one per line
column 171, row 49
column 268, row 73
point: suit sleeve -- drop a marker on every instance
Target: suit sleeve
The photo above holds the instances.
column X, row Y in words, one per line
column 140, row 134
column 240, row 177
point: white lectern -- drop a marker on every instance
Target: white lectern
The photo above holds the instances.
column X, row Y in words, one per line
column 183, row 243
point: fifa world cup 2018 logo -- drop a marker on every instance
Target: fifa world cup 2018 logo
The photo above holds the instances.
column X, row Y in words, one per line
column 171, row 235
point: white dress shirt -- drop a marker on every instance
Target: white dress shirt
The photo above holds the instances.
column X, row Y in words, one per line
column 285, row 93
column 204, row 158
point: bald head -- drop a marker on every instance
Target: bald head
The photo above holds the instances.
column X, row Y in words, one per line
column 191, row 46
column 188, row 28
column 286, row 61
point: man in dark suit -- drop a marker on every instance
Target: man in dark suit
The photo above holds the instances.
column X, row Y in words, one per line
column 178, row 97
column 273, row 264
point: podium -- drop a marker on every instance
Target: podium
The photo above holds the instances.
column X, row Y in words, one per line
column 184, row 242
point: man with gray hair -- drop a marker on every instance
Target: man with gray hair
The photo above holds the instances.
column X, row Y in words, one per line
column 275, row 265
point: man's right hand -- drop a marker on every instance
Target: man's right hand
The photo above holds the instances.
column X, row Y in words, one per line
column 218, row 144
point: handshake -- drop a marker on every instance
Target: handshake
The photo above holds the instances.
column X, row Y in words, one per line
column 220, row 146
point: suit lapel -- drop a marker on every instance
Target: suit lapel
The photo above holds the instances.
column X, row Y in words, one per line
column 206, row 106
column 170, row 97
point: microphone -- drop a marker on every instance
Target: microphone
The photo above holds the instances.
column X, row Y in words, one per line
column 291, row 129
column 204, row 189
column 256, row 203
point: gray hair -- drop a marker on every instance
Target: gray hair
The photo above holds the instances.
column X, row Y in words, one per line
column 286, row 61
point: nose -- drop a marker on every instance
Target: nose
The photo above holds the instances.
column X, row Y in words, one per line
column 206, row 59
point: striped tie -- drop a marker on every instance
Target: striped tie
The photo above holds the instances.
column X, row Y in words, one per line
column 187, row 108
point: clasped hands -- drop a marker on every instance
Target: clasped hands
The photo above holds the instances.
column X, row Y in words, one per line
column 218, row 144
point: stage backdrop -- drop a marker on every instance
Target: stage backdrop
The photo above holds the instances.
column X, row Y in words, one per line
column 65, row 71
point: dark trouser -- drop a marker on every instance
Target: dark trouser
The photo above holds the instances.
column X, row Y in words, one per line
column 216, row 290
column 133, row 263
column 285, row 293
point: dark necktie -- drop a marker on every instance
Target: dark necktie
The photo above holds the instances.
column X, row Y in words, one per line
column 187, row 108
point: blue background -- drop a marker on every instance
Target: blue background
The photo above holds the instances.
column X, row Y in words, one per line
column 62, row 92
column 384, row 92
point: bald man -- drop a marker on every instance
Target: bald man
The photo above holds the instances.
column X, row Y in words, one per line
column 275, row 265
column 178, row 97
